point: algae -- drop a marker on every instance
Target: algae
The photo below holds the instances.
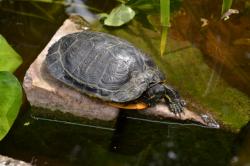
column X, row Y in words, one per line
column 187, row 70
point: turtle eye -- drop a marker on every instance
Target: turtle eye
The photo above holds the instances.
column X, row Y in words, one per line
column 150, row 63
column 156, row 89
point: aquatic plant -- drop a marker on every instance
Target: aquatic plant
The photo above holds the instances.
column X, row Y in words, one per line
column 10, row 88
column 120, row 15
column 226, row 5
column 165, row 23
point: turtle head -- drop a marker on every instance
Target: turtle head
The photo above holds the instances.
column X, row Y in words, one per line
column 162, row 91
column 154, row 94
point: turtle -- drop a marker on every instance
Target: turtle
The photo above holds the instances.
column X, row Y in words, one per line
column 112, row 69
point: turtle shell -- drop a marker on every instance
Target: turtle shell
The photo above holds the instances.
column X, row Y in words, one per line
column 102, row 65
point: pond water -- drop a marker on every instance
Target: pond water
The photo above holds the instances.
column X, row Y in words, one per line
column 209, row 65
column 131, row 143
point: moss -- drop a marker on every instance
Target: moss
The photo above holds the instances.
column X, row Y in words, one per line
column 187, row 70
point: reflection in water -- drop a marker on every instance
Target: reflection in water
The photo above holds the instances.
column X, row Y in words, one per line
column 241, row 147
column 132, row 143
column 26, row 33
column 223, row 42
column 81, row 9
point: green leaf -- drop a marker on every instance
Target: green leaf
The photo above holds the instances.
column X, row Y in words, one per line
column 152, row 6
column 226, row 5
column 9, row 58
column 164, row 35
column 165, row 12
column 119, row 16
column 10, row 101
column 165, row 22
column 144, row 5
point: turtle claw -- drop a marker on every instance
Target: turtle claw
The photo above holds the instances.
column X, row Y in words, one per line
column 175, row 103
column 177, row 106
column 183, row 103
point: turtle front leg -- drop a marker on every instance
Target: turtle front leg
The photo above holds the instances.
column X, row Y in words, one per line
column 172, row 98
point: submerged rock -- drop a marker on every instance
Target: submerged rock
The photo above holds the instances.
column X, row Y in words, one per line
column 7, row 161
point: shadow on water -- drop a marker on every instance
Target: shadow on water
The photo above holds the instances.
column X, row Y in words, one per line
column 131, row 143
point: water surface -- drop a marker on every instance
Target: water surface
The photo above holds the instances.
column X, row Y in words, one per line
column 209, row 66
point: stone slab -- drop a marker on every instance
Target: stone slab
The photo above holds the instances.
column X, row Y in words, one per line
column 7, row 161
column 43, row 91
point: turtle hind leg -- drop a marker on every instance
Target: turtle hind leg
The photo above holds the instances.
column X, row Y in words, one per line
column 173, row 100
